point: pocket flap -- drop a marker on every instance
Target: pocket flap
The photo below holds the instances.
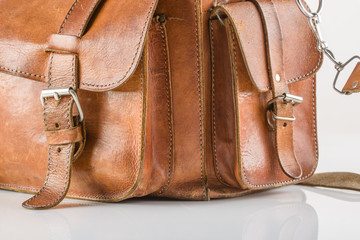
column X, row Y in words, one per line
column 301, row 57
column 109, row 51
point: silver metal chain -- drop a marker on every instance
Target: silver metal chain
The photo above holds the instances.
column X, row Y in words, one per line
column 314, row 22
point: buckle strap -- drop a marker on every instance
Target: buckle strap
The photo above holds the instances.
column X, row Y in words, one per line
column 282, row 111
column 340, row 180
column 63, row 130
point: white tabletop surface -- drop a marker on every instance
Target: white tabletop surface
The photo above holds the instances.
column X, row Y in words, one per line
column 287, row 213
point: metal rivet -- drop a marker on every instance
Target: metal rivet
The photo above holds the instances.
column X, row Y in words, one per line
column 355, row 84
column 277, row 78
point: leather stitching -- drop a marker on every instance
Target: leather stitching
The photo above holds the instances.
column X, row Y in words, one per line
column 50, row 68
column 293, row 80
column 62, row 147
column 200, row 101
column 133, row 60
column 92, row 84
column 167, row 80
column 67, row 16
column 316, row 153
column 22, row 72
column 217, row 171
column 123, row 195
column 92, row 9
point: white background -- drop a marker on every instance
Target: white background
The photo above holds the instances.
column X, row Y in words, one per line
column 286, row 213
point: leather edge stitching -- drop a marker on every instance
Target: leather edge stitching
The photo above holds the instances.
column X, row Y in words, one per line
column 243, row 173
column 217, row 171
column 168, row 101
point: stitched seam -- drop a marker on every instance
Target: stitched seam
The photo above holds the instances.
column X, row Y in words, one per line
column 312, row 71
column 200, row 102
column 91, row 84
column 73, row 72
column 316, row 153
column 236, row 98
column 50, row 69
column 308, row 74
column 217, row 171
column 22, row 72
column 167, row 79
column 5, row 186
column 133, row 60
column 109, row 197
column 67, row 16
column 92, row 9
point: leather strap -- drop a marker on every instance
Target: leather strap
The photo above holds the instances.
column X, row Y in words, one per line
column 340, row 180
column 283, row 128
column 65, row 134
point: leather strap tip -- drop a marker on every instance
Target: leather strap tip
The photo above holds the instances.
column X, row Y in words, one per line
column 32, row 205
column 294, row 172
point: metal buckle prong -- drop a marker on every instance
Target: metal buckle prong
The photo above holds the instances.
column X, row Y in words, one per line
column 286, row 98
column 58, row 93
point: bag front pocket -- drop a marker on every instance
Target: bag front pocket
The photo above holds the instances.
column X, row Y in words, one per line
column 248, row 152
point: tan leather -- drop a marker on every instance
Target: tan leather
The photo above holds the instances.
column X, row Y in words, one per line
column 65, row 136
column 63, row 44
column 58, row 113
column 174, row 101
column 242, row 123
column 284, row 139
column 117, row 36
column 353, row 83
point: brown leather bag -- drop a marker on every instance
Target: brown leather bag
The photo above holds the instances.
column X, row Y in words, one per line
column 173, row 99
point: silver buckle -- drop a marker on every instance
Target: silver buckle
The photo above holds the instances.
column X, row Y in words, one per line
column 58, row 93
column 286, row 98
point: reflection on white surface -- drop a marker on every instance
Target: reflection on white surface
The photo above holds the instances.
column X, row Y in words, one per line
column 278, row 214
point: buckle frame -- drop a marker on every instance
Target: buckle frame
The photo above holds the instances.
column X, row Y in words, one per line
column 286, row 99
column 58, row 93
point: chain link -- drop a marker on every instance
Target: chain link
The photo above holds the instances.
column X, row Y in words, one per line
column 314, row 22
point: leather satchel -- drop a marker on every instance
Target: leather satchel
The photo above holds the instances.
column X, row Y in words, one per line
column 180, row 99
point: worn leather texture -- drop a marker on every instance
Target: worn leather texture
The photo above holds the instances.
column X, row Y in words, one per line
column 289, row 153
column 174, row 95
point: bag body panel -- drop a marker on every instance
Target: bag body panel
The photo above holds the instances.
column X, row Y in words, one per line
column 157, row 131
column 183, row 29
column 116, row 34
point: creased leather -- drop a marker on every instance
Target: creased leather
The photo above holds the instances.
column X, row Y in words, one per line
column 236, row 161
column 248, row 27
column 65, row 136
column 117, row 35
column 284, row 139
column 151, row 131
column 58, row 114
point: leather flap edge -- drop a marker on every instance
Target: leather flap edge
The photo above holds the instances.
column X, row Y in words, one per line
column 302, row 59
column 109, row 51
